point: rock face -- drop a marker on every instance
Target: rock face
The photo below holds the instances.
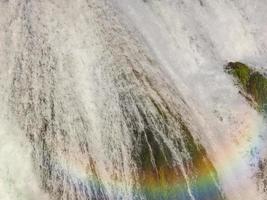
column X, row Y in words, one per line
column 252, row 83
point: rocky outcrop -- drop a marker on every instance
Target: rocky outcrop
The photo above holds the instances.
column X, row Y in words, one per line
column 252, row 83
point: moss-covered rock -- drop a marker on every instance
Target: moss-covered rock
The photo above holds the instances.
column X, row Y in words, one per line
column 252, row 83
column 240, row 71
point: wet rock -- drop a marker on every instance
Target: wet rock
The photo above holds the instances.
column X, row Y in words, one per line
column 253, row 84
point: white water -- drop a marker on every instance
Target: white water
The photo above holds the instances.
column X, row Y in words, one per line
column 191, row 41
column 194, row 41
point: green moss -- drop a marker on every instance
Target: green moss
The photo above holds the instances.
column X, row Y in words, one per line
column 257, row 87
column 240, row 71
column 251, row 82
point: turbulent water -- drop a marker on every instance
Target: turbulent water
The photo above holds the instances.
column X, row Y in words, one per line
column 114, row 100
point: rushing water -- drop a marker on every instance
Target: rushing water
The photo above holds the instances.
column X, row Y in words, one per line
column 101, row 100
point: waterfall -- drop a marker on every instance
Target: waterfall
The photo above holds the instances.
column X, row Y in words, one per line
column 101, row 100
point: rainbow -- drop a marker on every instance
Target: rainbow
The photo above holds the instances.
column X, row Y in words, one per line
column 168, row 183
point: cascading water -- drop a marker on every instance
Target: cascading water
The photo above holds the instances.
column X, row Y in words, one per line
column 97, row 102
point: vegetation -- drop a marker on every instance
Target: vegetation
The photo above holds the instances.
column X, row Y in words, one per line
column 252, row 82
